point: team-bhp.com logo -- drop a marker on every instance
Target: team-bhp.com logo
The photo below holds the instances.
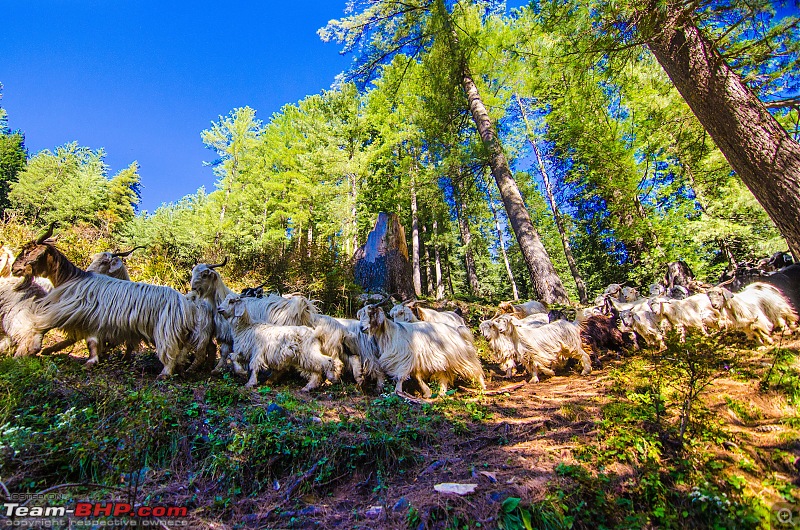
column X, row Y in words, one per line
column 90, row 514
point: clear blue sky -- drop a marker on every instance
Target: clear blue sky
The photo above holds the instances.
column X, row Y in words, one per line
column 142, row 78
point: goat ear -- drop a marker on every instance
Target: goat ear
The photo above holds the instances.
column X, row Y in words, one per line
column 238, row 309
column 116, row 264
column 726, row 294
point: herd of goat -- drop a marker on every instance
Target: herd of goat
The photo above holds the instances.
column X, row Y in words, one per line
column 41, row 290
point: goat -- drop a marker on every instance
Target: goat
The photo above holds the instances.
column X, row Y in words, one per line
column 742, row 311
column 694, row 312
column 108, row 264
column 275, row 347
column 642, row 322
column 111, row 264
column 757, row 310
column 521, row 310
column 273, row 309
column 502, row 344
column 678, row 273
column 404, row 313
column 104, row 309
column 542, row 348
column 421, row 350
column 17, row 308
column 6, row 260
column 366, row 348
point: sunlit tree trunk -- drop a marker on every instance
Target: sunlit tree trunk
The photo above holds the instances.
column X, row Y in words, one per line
column 437, row 257
column 760, row 151
column 466, row 238
column 546, row 283
column 428, row 264
column 548, row 187
column 502, row 246
column 415, row 268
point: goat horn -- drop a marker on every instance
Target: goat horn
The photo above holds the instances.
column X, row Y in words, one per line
column 47, row 234
column 125, row 254
column 726, row 282
column 261, row 285
column 219, row 264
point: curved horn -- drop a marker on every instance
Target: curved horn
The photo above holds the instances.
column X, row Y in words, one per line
column 219, row 264
column 726, row 282
column 47, row 234
column 125, row 254
column 261, row 285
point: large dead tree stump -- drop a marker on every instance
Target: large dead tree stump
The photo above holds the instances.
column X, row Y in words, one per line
column 381, row 264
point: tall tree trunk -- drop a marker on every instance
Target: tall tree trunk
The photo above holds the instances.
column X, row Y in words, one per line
column 439, row 280
column 447, row 272
column 466, row 238
column 545, row 281
column 415, row 272
column 353, row 213
column 548, row 187
column 758, row 149
column 428, row 265
column 502, row 245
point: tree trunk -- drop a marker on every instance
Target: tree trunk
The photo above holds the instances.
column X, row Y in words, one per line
column 573, row 267
column 466, row 238
column 758, row 149
column 439, row 280
column 502, row 246
column 417, row 280
column 428, row 265
column 353, row 213
column 545, row 281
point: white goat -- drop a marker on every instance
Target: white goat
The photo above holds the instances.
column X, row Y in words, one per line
column 6, row 260
column 542, row 348
column 503, row 346
column 421, row 350
column 694, row 312
column 111, row 264
column 273, row 309
column 521, row 310
column 17, row 309
column 103, row 309
column 403, row 313
column 644, row 322
column 366, row 348
column 273, row 347
column 108, row 264
column 756, row 310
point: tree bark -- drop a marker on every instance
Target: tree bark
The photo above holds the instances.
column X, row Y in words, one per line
column 439, row 280
column 502, row 246
column 466, row 238
column 415, row 274
column 758, row 149
column 573, row 267
column 428, row 265
column 546, row 283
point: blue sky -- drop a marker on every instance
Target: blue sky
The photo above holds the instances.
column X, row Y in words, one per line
column 143, row 79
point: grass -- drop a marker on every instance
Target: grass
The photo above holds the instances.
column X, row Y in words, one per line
column 649, row 459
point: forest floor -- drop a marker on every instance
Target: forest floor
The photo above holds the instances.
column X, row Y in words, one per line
column 604, row 450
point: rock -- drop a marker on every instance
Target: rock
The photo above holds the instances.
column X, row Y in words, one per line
column 498, row 496
column 382, row 265
column 316, row 419
column 272, row 408
column 401, row 505
column 458, row 489
column 374, row 512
